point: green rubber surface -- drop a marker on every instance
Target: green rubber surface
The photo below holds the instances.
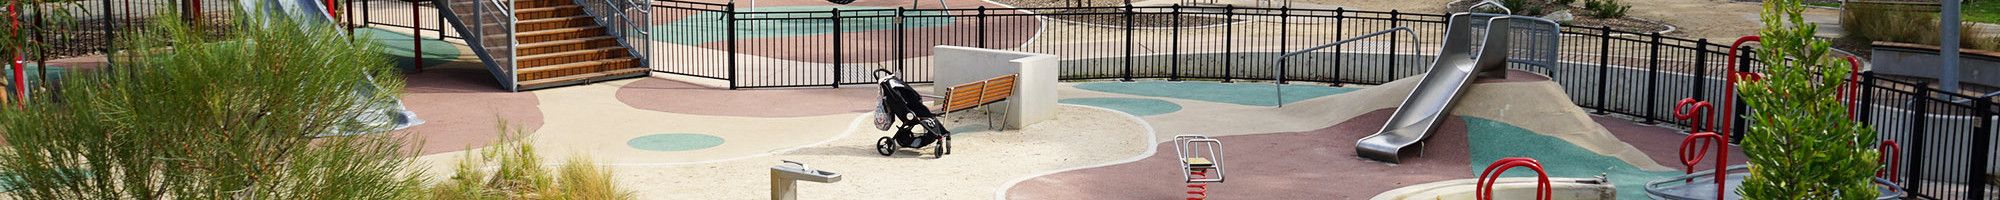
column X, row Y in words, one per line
column 1491, row 140
column 400, row 49
column 674, row 142
column 1254, row 94
column 706, row 27
column 1135, row 106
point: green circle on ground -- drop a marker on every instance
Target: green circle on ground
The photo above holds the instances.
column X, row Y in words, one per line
column 674, row 142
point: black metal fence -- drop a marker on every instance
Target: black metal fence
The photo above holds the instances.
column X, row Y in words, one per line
column 1640, row 75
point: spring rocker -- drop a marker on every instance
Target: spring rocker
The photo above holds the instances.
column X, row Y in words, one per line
column 1200, row 157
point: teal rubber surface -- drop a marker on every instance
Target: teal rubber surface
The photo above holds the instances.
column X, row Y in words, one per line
column 1491, row 140
column 674, row 142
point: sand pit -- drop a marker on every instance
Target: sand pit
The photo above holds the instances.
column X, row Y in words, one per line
column 684, row 98
column 980, row 165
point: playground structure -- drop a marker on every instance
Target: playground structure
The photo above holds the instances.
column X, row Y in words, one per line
column 1201, row 163
column 1187, row 56
column 1454, row 71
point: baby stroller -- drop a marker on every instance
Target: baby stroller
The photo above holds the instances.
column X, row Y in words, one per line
column 900, row 103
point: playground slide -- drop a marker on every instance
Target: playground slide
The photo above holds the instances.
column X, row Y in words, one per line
column 1448, row 77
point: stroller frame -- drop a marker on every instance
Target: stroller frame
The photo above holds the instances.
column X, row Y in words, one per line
column 901, row 102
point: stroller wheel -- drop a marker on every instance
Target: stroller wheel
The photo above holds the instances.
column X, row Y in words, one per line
column 943, row 143
column 946, row 144
column 885, row 146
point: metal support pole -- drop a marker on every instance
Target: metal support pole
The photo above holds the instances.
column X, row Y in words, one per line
column 982, row 27
column 1127, row 73
column 1228, row 45
column 1653, row 80
column 1395, row 19
column 1982, row 144
column 1700, row 91
column 729, row 16
column 1176, row 76
column 836, row 47
column 1284, row 28
column 1603, row 68
column 1918, row 119
column 1339, row 28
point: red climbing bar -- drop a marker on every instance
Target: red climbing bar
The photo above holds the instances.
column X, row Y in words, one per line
column 1729, row 86
column 1488, row 177
column 1892, row 155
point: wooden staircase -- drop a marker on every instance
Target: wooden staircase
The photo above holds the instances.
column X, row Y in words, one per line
column 560, row 44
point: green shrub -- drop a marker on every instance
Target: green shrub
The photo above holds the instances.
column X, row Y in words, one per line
column 1899, row 23
column 521, row 175
column 231, row 117
column 1605, row 9
column 1801, row 143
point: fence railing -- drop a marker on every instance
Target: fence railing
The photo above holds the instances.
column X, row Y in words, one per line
column 1609, row 71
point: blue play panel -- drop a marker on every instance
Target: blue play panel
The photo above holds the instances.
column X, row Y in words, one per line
column 708, row 27
column 1253, row 94
column 1135, row 106
column 674, row 142
column 1492, row 140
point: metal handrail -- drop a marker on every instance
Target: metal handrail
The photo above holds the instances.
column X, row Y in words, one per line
column 1492, row 3
column 1280, row 75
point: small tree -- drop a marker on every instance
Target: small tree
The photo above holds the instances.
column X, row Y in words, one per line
column 1801, row 142
column 235, row 117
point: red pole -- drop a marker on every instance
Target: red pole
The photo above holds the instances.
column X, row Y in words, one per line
column 1729, row 87
column 416, row 38
column 20, row 76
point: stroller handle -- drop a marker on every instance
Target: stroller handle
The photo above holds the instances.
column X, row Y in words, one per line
column 878, row 73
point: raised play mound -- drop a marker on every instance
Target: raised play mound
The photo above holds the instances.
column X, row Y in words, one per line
column 1317, row 164
column 462, row 109
column 685, row 98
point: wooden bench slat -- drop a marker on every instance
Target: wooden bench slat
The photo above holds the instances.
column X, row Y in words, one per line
column 998, row 88
column 964, row 96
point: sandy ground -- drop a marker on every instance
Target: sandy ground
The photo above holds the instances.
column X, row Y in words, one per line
column 981, row 162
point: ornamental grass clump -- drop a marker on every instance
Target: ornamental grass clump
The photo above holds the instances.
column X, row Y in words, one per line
column 186, row 116
column 1801, row 142
column 511, row 169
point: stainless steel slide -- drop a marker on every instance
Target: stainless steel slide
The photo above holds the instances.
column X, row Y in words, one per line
column 1449, row 76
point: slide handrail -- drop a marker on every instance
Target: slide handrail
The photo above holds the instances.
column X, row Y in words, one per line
column 1280, row 76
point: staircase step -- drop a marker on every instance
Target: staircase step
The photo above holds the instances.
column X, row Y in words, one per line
column 549, row 12
column 530, row 37
column 575, row 68
column 582, row 78
column 528, row 25
column 558, row 58
column 532, row 4
column 567, row 45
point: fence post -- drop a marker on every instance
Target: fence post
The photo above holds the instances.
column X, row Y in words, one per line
column 416, row 38
column 1339, row 26
column 1395, row 17
column 1652, row 80
column 900, row 40
column 1126, row 75
column 1284, row 28
column 1919, row 108
column 730, row 18
column 1603, row 68
column 1176, row 76
column 1228, row 44
column 982, row 26
column 1982, row 144
column 836, row 46
column 1737, row 123
column 1867, row 98
column 1700, row 70
column 108, row 37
